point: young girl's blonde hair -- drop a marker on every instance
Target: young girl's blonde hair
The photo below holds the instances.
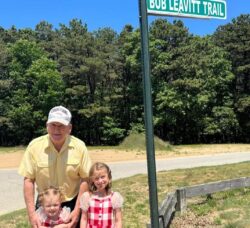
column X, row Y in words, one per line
column 98, row 166
column 48, row 192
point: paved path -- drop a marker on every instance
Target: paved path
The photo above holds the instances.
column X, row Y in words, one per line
column 11, row 193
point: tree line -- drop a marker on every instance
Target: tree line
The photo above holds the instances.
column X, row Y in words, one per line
column 200, row 85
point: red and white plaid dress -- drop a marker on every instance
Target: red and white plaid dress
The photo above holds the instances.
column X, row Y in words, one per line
column 51, row 223
column 100, row 209
column 47, row 222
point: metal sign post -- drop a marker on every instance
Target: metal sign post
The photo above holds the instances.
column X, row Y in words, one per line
column 147, row 97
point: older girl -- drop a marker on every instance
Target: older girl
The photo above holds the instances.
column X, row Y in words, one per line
column 101, row 207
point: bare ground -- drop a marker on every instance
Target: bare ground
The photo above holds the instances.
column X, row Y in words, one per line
column 12, row 159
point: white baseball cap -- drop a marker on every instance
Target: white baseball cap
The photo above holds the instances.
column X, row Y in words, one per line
column 59, row 114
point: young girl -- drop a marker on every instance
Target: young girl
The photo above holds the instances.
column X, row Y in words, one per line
column 50, row 212
column 101, row 207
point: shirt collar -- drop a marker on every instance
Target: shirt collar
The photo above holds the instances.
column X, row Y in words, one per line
column 68, row 142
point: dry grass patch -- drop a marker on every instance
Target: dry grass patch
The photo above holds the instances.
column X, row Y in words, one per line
column 211, row 148
column 189, row 219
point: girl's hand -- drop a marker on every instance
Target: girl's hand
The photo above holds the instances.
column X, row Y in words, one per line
column 74, row 216
column 65, row 214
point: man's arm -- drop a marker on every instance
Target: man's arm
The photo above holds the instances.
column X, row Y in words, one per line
column 29, row 192
column 75, row 214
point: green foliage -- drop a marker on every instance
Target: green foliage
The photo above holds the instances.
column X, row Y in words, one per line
column 185, row 101
column 222, row 122
column 234, row 38
column 111, row 134
column 137, row 128
column 25, row 52
column 37, row 86
column 200, row 85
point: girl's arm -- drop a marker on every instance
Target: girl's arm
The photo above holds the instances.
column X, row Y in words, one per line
column 118, row 217
column 84, row 219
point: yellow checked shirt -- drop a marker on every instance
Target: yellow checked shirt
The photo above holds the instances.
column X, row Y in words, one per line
column 42, row 163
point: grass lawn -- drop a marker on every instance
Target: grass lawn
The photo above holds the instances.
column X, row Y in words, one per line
column 224, row 209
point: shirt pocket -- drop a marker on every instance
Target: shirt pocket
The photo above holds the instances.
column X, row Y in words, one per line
column 73, row 168
column 73, row 161
column 45, row 169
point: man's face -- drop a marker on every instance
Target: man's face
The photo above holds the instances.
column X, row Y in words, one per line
column 58, row 132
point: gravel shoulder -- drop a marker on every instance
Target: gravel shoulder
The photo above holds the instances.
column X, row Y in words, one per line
column 12, row 159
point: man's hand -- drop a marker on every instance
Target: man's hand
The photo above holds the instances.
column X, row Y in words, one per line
column 34, row 221
column 75, row 216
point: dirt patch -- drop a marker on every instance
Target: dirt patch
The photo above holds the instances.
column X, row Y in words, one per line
column 12, row 159
column 189, row 219
column 115, row 155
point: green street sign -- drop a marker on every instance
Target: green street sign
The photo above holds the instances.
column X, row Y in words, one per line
column 188, row 8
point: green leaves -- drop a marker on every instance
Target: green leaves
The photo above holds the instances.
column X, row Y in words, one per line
column 111, row 133
column 222, row 122
column 36, row 86
column 196, row 79
column 200, row 85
